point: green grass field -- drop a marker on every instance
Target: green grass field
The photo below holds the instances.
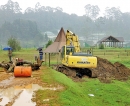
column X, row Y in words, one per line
column 116, row 93
column 121, row 55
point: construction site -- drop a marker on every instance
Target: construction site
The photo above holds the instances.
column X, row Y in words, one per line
column 20, row 74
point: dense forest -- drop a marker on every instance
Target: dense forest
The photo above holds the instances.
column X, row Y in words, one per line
column 29, row 27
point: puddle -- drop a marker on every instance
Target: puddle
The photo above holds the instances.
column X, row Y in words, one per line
column 7, row 81
column 21, row 95
column 25, row 99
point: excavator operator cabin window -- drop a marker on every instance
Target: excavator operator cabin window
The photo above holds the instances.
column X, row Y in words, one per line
column 69, row 50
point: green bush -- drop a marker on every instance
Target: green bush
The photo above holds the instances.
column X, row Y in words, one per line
column 101, row 46
column 48, row 43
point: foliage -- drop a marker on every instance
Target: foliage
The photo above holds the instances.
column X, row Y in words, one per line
column 14, row 43
column 92, row 11
column 101, row 46
column 48, row 43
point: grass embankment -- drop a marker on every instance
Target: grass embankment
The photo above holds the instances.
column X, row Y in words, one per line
column 77, row 93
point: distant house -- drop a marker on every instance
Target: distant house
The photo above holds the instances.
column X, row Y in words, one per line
column 111, row 41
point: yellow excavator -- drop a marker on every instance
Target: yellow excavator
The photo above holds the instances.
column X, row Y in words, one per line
column 75, row 62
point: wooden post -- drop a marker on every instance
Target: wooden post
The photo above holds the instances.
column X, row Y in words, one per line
column 57, row 57
column 92, row 50
column 45, row 58
column 49, row 59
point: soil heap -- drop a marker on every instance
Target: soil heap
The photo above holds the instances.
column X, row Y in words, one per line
column 106, row 71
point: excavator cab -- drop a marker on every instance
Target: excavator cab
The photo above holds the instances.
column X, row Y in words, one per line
column 74, row 59
column 69, row 50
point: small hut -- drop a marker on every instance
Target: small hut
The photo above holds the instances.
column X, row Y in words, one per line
column 111, row 41
column 56, row 45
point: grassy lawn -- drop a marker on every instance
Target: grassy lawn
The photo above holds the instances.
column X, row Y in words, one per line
column 116, row 93
column 121, row 55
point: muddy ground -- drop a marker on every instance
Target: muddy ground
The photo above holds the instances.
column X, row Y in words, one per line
column 13, row 88
column 7, row 80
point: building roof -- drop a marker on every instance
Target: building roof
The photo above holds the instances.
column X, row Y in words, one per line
column 111, row 38
column 57, row 44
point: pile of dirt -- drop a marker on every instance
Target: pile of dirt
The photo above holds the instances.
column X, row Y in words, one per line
column 106, row 71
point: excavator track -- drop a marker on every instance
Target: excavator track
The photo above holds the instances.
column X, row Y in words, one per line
column 76, row 72
column 66, row 70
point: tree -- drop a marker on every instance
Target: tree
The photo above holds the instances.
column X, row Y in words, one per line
column 92, row 11
column 113, row 13
column 48, row 43
column 14, row 43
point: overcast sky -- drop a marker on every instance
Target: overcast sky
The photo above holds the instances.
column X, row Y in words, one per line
column 74, row 6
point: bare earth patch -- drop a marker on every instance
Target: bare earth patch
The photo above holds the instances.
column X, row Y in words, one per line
column 8, row 81
column 106, row 71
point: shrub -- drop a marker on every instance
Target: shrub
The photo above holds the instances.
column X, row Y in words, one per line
column 101, row 46
column 48, row 43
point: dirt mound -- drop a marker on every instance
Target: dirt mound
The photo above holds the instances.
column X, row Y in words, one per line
column 106, row 71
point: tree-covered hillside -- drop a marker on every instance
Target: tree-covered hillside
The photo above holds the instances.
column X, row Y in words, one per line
column 29, row 27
